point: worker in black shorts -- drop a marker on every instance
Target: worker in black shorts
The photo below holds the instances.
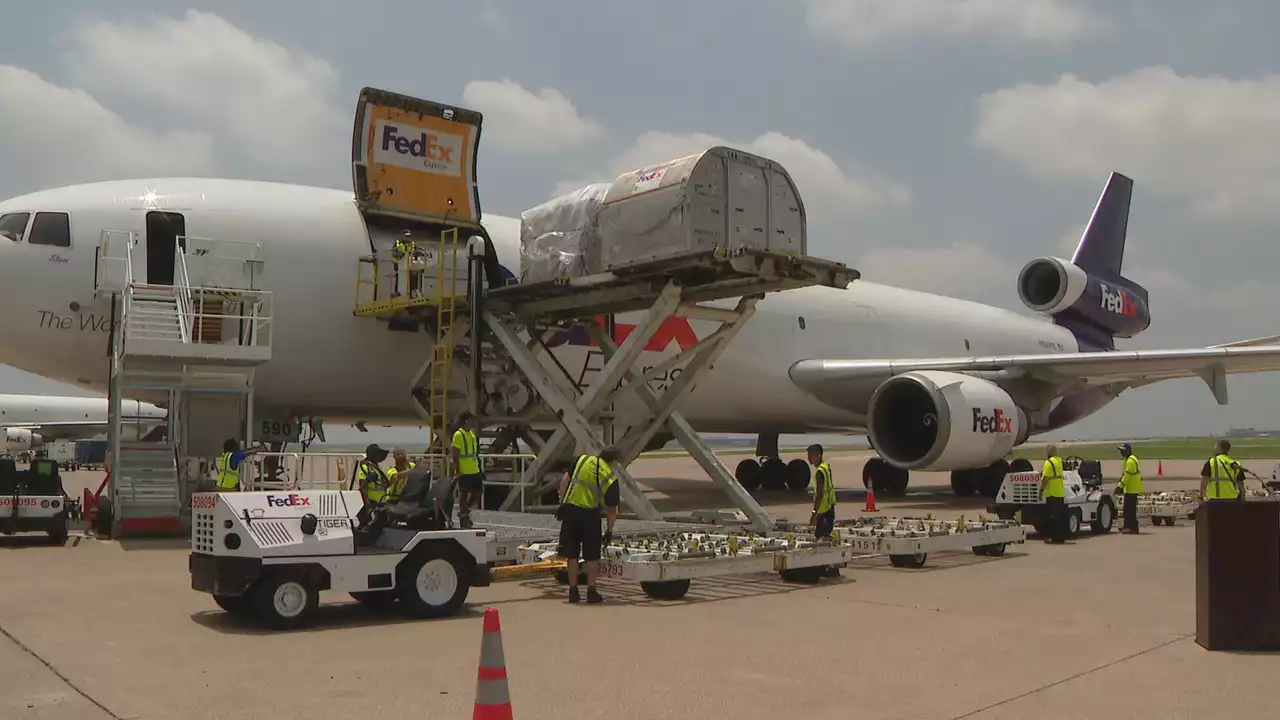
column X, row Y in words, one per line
column 823, row 518
column 585, row 492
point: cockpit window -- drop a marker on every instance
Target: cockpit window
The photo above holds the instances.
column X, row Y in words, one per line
column 51, row 228
column 14, row 225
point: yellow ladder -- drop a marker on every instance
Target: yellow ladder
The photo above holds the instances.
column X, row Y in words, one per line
column 442, row 350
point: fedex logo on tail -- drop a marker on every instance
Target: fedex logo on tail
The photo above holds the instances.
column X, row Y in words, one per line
column 416, row 148
column 1118, row 301
column 997, row 422
column 290, row 500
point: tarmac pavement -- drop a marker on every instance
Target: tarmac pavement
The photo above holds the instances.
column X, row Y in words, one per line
column 1099, row 628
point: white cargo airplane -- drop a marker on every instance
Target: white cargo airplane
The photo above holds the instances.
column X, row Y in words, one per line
column 937, row 383
column 30, row 420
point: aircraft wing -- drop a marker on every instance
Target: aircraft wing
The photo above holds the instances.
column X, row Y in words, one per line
column 1064, row 371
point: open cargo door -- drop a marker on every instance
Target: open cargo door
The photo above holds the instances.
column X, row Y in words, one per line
column 416, row 159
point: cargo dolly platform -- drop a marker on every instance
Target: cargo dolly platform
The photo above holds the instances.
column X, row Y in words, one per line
column 908, row 541
column 509, row 531
column 1164, row 507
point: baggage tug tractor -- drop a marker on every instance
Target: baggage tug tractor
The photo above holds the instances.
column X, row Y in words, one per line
column 267, row 555
column 1085, row 501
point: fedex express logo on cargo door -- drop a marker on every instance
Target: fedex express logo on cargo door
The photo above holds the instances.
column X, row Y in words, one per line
column 673, row 330
column 415, row 148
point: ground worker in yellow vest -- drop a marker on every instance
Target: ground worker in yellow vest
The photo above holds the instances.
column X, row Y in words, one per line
column 585, row 493
column 397, row 474
column 466, row 462
column 823, row 517
column 1054, row 491
column 228, row 464
column 371, row 479
column 1221, row 478
column 1131, row 486
column 398, row 254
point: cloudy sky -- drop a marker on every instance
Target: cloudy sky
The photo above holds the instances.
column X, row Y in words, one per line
column 939, row 144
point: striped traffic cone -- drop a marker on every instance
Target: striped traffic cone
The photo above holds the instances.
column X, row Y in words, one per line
column 493, row 700
column 1160, row 467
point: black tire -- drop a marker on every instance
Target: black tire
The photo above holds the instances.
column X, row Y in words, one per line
column 875, row 476
column 806, row 575
column 997, row 550
column 58, row 536
column 1170, row 520
column 106, row 517
column 798, row 475
column 1020, row 465
column 773, row 474
column 1106, row 517
column 990, row 478
column 284, row 600
column 1042, row 529
column 980, row 549
column 1074, row 521
column 665, row 589
column 379, row 600
column 915, row 562
column 747, row 474
column 962, row 483
column 238, row 605
column 898, row 481
column 445, row 570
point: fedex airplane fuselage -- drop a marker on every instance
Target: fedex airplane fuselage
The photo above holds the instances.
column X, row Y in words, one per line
column 28, row 421
column 330, row 364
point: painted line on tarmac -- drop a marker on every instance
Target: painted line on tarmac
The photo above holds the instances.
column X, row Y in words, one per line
column 57, row 673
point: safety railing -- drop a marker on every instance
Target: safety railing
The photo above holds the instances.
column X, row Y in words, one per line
column 334, row 471
column 431, row 269
column 182, row 293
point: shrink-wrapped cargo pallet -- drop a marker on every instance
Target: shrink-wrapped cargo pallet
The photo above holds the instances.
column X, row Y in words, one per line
column 559, row 238
column 720, row 198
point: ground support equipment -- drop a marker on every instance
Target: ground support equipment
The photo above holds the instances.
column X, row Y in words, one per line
column 665, row 564
column 663, row 289
column 1019, row 499
column 1164, row 508
column 909, row 540
column 34, row 500
column 509, row 531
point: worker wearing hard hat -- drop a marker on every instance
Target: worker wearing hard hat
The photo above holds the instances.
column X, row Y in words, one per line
column 1054, row 491
column 584, row 493
column 1131, row 486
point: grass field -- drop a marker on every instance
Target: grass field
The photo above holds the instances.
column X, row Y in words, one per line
column 1185, row 449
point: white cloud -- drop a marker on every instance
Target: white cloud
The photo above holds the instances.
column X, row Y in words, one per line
column 831, row 192
column 863, row 23
column 1200, row 140
column 516, row 119
column 52, row 135
column 277, row 104
column 961, row 269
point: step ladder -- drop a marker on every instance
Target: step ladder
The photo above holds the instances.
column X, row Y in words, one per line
column 154, row 315
column 439, row 374
column 145, row 477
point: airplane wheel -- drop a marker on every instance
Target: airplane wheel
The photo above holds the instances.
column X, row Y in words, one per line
column 748, row 474
column 962, row 483
column 991, row 477
column 434, row 581
column 773, row 474
column 876, row 474
column 1020, row 465
column 798, row 475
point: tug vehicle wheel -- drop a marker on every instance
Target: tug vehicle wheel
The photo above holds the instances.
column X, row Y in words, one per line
column 285, row 601
column 666, row 589
column 237, row 605
column 434, row 579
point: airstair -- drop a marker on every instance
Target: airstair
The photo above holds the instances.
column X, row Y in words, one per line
column 206, row 333
column 485, row 329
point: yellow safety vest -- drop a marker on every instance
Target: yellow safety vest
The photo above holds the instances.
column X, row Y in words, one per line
column 468, row 451
column 1053, row 473
column 1131, row 480
column 375, row 482
column 591, row 479
column 828, row 501
column 400, row 249
column 395, row 483
column 1224, row 474
column 228, row 477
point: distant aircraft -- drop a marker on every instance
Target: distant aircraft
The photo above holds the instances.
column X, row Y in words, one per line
column 936, row 382
column 30, row 420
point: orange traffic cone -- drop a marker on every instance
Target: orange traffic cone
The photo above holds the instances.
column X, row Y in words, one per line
column 1159, row 467
column 493, row 699
column 871, row 499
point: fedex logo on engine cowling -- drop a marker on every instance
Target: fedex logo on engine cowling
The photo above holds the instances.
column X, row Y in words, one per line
column 417, row 148
column 997, row 422
column 290, row 500
column 1118, row 301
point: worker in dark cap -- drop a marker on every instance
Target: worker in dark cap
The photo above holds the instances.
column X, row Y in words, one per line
column 370, row 477
column 590, row 490
column 1131, row 486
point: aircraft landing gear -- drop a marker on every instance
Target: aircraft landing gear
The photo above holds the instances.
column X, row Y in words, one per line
column 985, row 481
column 769, row 471
column 885, row 479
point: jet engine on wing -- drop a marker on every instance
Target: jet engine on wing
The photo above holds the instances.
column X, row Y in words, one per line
column 18, row 440
column 1054, row 286
column 943, row 421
